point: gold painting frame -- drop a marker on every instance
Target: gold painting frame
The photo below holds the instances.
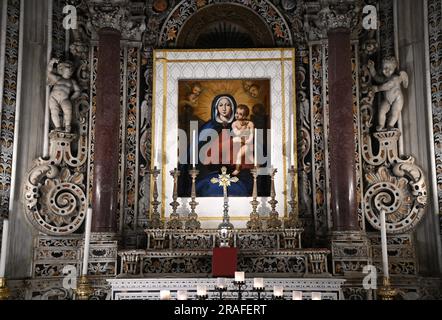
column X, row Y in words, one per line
column 278, row 64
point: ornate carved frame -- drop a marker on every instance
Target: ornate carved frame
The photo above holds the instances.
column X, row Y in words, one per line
column 172, row 65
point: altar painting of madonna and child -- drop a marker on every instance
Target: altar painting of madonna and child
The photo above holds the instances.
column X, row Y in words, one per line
column 221, row 118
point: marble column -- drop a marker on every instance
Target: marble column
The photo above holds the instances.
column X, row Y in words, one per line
column 342, row 140
column 337, row 20
column 106, row 154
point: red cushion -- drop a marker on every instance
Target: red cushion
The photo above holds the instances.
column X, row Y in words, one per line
column 224, row 262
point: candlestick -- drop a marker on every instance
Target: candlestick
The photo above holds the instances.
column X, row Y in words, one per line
column 155, row 216
column 255, row 222
column 84, row 290
column 4, row 247
column 386, row 292
column 239, row 282
column 175, row 222
column 384, row 244
column 192, row 222
column 273, row 222
column 87, row 240
column 292, row 221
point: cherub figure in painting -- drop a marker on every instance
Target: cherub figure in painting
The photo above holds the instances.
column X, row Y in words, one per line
column 64, row 90
column 390, row 83
column 243, row 130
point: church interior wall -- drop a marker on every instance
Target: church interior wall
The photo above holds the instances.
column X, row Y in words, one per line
column 405, row 37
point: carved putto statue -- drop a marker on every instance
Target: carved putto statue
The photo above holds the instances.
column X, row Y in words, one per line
column 64, row 90
column 390, row 83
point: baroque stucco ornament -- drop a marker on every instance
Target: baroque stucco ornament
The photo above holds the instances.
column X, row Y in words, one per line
column 394, row 184
column 54, row 196
column 114, row 14
column 324, row 16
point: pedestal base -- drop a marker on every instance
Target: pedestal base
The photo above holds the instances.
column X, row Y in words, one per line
column 4, row 290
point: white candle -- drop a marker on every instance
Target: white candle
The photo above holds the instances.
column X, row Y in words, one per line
column 157, row 147
column 278, row 291
column 221, row 283
column 384, row 244
column 164, row 295
column 258, row 283
column 201, row 291
column 256, row 147
column 4, row 247
column 316, row 296
column 87, row 240
column 297, row 295
column 269, row 149
column 239, row 276
column 292, row 141
column 194, row 151
column 181, row 295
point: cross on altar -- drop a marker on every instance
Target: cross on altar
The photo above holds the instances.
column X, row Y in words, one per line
column 224, row 180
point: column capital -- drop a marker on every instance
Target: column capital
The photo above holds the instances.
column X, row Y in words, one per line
column 324, row 16
column 120, row 15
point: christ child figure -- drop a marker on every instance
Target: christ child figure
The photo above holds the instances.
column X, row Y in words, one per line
column 242, row 130
column 390, row 83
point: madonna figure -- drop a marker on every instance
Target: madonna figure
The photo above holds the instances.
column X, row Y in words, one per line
column 216, row 150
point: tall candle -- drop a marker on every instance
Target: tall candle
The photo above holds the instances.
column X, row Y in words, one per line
column 157, row 147
column 201, row 291
column 258, row 283
column 292, row 141
column 239, row 276
column 297, row 295
column 181, row 295
column 384, row 244
column 221, row 283
column 194, row 151
column 256, row 147
column 165, row 295
column 278, row 291
column 4, row 248
column 87, row 241
column 316, row 296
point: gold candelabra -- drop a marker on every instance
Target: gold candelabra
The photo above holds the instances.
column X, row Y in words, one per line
column 255, row 222
column 292, row 221
column 175, row 222
column 387, row 292
column 273, row 222
column 155, row 217
column 84, row 289
column 192, row 222
column 4, row 290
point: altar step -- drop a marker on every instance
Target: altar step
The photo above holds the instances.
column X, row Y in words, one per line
column 149, row 289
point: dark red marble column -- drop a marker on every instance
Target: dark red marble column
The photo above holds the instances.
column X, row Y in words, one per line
column 342, row 145
column 107, row 123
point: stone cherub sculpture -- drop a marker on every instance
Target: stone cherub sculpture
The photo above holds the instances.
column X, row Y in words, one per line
column 64, row 90
column 390, row 83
